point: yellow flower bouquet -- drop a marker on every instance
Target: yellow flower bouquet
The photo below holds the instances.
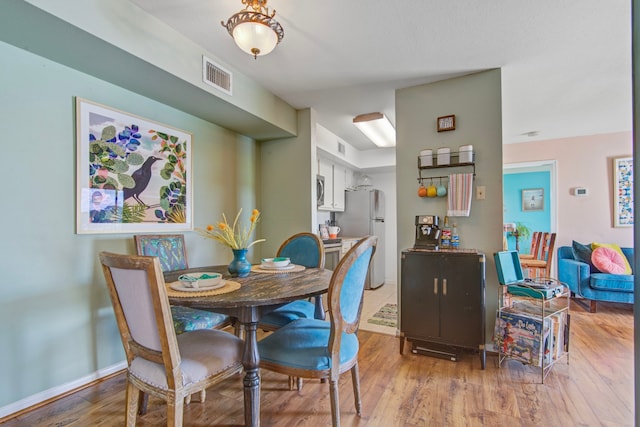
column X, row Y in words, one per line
column 236, row 236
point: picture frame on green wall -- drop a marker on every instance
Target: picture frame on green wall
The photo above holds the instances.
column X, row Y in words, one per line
column 623, row 192
column 133, row 174
column 533, row 199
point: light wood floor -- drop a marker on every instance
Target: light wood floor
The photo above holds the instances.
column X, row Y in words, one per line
column 374, row 300
column 595, row 389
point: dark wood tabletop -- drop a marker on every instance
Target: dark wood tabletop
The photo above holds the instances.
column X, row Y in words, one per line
column 258, row 289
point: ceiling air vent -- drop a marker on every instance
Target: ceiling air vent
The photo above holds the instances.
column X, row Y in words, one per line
column 341, row 148
column 216, row 76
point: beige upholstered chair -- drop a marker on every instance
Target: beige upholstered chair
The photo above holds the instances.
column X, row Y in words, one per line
column 314, row 348
column 172, row 254
column 161, row 363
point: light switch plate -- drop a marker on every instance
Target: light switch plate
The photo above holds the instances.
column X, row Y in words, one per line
column 480, row 192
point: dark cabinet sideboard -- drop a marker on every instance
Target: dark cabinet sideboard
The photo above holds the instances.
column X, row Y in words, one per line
column 442, row 302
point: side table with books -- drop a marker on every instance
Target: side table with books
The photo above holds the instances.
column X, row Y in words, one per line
column 532, row 320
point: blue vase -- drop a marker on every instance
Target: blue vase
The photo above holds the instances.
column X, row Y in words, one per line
column 239, row 267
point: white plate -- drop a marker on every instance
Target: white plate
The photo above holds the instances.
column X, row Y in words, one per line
column 177, row 286
column 286, row 267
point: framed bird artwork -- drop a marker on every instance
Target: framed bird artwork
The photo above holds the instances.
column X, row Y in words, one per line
column 133, row 174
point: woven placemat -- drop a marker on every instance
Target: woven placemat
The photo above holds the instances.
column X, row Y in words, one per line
column 229, row 286
column 296, row 268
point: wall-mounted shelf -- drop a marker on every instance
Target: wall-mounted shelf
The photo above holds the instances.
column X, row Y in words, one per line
column 453, row 163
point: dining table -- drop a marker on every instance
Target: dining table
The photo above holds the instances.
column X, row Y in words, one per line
column 258, row 294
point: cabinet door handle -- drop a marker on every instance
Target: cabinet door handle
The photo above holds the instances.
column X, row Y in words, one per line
column 435, row 286
column 444, row 287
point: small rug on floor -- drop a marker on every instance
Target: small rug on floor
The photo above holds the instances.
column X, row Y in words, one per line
column 386, row 316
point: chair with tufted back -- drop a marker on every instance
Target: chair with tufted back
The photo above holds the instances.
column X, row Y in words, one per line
column 314, row 348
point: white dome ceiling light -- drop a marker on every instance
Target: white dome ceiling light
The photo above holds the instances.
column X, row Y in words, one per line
column 254, row 30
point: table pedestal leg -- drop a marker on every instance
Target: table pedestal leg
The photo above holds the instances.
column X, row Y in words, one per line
column 318, row 312
column 251, row 363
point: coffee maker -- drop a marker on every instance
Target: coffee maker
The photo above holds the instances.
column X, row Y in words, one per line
column 427, row 232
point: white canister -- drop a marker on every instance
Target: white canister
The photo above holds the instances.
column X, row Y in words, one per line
column 426, row 158
column 444, row 156
column 466, row 154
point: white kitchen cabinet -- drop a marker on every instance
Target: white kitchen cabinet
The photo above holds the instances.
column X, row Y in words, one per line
column 334, row 185
column 325, row 168
column 339, row 185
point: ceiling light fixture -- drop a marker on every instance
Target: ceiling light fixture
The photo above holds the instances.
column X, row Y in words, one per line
column 253, row 29
column 376, row 127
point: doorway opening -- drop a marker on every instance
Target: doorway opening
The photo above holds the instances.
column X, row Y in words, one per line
column 529, row 200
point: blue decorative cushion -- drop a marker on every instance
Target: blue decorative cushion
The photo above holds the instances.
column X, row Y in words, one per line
column 187, row 319
column 304, row 344
column 583, row 253
column 288, row 313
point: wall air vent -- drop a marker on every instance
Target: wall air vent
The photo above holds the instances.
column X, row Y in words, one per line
column 341, row 148
column 216, row 76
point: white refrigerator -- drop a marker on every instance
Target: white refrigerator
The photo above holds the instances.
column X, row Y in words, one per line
column 363, row 216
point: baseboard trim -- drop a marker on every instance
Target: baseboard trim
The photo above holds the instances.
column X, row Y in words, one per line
column 37, row 400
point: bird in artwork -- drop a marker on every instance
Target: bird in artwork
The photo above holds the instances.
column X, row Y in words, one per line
column 141, row 177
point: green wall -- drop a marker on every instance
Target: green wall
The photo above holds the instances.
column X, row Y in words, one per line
column 476, row 101
column 57, row 321
column 286, row 182
column 118, row 42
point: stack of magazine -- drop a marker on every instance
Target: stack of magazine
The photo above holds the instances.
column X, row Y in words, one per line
column 531, row 339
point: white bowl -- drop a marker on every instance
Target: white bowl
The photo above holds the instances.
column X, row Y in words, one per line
column 275, row 262
column 200, row 280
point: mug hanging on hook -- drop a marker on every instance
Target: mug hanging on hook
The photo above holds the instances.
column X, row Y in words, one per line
column 441, row 191
column 422, row 190
column 431, row 189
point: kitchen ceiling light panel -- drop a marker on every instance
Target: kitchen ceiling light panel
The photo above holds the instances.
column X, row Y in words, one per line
column 376, row 127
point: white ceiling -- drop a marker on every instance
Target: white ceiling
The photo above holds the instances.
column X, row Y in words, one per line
column 566, row 64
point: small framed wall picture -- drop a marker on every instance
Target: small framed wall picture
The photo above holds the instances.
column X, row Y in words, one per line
column 623, row 192
column 446, row 123
column 533, row 199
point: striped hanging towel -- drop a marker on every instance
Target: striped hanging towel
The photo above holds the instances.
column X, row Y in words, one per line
column 460, row 191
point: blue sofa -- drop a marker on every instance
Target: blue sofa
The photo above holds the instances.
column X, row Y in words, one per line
column 592, row 285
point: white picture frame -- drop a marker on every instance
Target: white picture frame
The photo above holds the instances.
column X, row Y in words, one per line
column 133, row 174
column 623, row 192
column 532, row 199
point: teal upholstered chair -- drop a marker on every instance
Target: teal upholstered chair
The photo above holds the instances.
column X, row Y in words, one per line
column 303, row 249
column 172, row 254
column 314, row 348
